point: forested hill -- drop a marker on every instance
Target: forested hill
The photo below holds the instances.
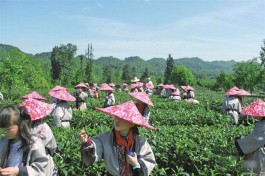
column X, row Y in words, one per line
column 156, row 66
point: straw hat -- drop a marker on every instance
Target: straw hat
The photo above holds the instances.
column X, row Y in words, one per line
column 127, row 111
column 135, row 79
column 62, row 94
column 81, row 85
column 111, row 84
column 149, row 85
column 105, row 87
column 37, row 109
column 235, row 91
column 143, row 97
column 34, row 95
column 187, row 88
column 256, row 109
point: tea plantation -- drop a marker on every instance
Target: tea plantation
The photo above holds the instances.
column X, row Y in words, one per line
column 192, row 139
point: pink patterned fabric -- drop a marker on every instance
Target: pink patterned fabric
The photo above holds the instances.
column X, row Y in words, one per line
column 105, row 86
column 34, row 95
column 149, row 85
column 175, row 94
column 256, row 109
column 133, row 86
column 139, row 84
column 143, row 97
column 235, row 91
column 62, row 94
column 81, row 85
column 127, row 111
column 169, row 86
column 37, row 109
column 111, row 84
column 187, row 88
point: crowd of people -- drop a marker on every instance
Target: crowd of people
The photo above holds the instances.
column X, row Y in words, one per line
column 29, row 144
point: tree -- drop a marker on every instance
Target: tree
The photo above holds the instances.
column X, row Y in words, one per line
column 224, row 81
column 107, row 74
column 247, row 74
column 61, row 60
column 182, row 76
column 126, row 73
column 21, row 73
column 262, row 54
column 168, row 70
column 89, row 66
column 145, row 75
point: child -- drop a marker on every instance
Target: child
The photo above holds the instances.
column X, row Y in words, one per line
column 62, row 114
column 19, row 154
column 124, row 152
column 109, row 97
column 252, row 146
column 142, row 104
column 41, row 130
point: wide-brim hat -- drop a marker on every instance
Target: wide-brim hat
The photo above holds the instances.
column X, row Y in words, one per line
column 169, row 86
column 175, row 93
column 161, row 85
column 63, row 95
column 187, row 88
column 127, row 111
column 149, row 85
column 143, row 97
column 139, row 84
column 37, row 109
column 56, row 88
column 105, row 87
column 235, row 91
column 34, row 95
column 135, row 79
column 111, row 84
column 81, row 85
column 255, row 109
column 133, row 86
column 124, row 84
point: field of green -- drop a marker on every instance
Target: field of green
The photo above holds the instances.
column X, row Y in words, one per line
column 192, row 139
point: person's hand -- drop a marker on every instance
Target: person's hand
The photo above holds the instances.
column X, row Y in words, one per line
column 9, row 171
column 132, row 160
column 83, row 136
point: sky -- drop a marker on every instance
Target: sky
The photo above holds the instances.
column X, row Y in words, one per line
column 208, row 29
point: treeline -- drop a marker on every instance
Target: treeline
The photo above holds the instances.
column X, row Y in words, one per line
column 22, row 72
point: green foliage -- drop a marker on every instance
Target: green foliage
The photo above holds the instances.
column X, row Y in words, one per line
column 107, row 74
column 126, row 77
column 21, row 73
column 169, row 69
column 62, row 63
column 181, row 75
column 247, row 74
column 224, row 81
column 145, row 75
column 262, row 54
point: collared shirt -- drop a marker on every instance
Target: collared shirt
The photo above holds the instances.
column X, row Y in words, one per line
column 15, row 155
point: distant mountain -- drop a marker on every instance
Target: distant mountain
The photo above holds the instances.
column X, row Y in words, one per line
column 156, row 66
column 44, row 55
column 8, row 47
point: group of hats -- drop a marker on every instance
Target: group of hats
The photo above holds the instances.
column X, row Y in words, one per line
column 126, row 111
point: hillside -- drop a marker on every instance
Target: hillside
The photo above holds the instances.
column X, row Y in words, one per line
column 156, row 66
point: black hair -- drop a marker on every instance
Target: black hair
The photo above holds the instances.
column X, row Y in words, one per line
column 15, row 115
